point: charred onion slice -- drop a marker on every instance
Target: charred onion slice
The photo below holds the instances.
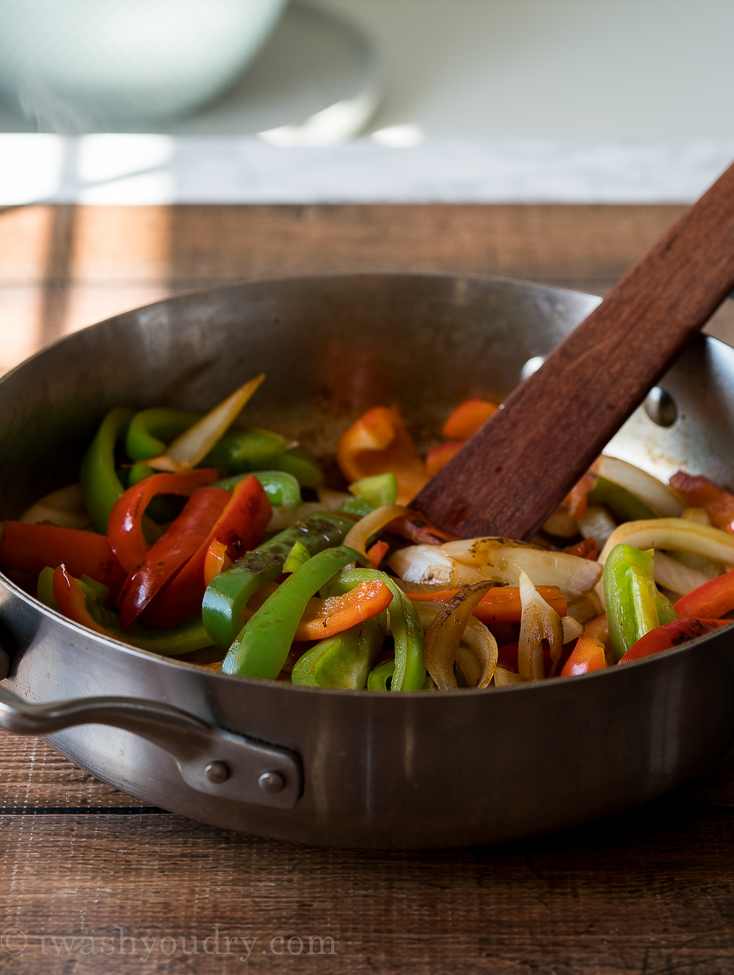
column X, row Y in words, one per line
column 195, row 443
column 358, row 537
column 503, row 559
column 441, row 642
column 540, row 622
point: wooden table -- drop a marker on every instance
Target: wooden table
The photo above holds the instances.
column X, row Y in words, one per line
column 92, row 880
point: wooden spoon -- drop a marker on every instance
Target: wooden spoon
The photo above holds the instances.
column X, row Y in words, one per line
column 522, row 462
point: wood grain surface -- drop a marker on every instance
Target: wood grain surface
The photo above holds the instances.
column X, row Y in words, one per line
column 94, row 881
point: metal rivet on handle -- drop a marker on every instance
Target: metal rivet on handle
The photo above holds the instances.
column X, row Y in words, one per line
column 217, row 772
column 271, row 782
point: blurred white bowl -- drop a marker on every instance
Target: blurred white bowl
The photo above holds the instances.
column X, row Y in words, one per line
column 80, row 64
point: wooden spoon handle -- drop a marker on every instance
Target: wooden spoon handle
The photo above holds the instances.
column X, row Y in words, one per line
column 519, row 466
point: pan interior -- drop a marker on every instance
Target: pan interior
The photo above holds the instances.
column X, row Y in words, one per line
column 330, row 348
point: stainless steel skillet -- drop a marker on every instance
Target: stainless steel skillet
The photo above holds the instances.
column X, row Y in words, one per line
column 330, row 767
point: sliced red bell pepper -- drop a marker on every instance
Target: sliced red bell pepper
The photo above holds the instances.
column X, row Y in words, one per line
column 712, row 600
column 325, row 617
column 668, row 636
column 72, row 601
column 587, row 549
column 501, row 604
column 33, row 547
column 700, row 492
column 239, row 526
column 598, row 629
column 587, row 655
column 173, row 550
column 379, row 443
column 418, row 530
column 125, row 524
column 467, row 418
column 507, row 657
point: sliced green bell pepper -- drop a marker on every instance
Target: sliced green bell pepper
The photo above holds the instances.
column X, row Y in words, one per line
column 282, row 488
column 357, row 506
column 246, row 449
column 228, row 593
column 301, row 464
column 410, row 670
column 262, row 646
column 151, row 430
column 634, row 604
column 343, row 660
column 380, row 679
column 296, row 557
column 379, row 489
column 620, row 502
column 101, row 484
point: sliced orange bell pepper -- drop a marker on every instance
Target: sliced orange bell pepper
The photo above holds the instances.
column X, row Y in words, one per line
column 325, row 617
column 216, row 560
column 700, row 492
column 379, row 443
column 439, row 455
column 586, row 656
column 377, row 553
column 577, row 499
column 467, row 418
column 501, row 604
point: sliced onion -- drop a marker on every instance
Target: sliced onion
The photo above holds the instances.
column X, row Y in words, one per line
column 502, row 560
column 676, row 576
column 660, row 497
column 359, row 536
column 504, row 677
column 572, row 629
column 706, row 566
column 676, row 534
column 598, row 524
column 699, row 515
column 585, row 608
column 452, row 623
column 430, row 564
column 195, row 443
column 475, row 634
column 64, row 508
column 561, row 524
column 539, row 623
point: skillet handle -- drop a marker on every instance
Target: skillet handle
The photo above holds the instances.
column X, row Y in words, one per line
column 211, row 760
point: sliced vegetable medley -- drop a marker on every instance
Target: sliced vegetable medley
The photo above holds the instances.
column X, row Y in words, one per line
column 191, row 536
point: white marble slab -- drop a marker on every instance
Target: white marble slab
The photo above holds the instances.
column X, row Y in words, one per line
column 137, row 169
